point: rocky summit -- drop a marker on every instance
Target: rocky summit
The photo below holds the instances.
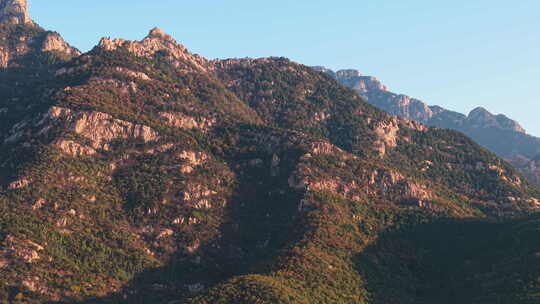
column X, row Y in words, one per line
column 139, row 172
column 498, row 133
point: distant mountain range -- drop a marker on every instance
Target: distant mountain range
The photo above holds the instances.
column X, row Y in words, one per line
column 498, row 133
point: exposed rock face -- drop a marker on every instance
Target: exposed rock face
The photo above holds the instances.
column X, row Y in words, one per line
column 381, row 183
column 360, row 83
column 4, row 57
column 9, row 54
column 33, row 284
column 325, row 148
column 392, row 183
column 97, row 127
column 24, row 250
column 75, row 149
column 24, row 40
column 401, row 105
column 132, row 74
column 498, row 133
column 158, row 41
column 182, row 121
column 55, row 42
column 198, row 196
column 18, row 184
column 192, row 159
column 101, row 128
column 481, row 118
column 387, row 135
column 14, row 11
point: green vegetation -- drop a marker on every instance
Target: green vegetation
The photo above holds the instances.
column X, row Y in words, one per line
column 271, row 189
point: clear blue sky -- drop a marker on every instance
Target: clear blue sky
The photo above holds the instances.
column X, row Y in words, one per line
column 457, row 54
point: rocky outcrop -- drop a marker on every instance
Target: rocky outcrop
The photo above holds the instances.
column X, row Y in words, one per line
column 183, row 121
column 98, row 128
column 498, row 133
column 4, row 57
column 53, row 42
column 385, row 184
column 382, row 184
column 158, row 41
column 74, row 149
column 23, row 250
column 387, row 133
column 19, row 184
column 14, row 11
column 358, row 82
column 482, row 118
column 401, row 105
column 388, row 182
column 132, row 74
column 11, row 54
column 326, row 148
column 198, row 196
column 192, row 159
column 355, row 80
column 25, row 42
column 101, row 128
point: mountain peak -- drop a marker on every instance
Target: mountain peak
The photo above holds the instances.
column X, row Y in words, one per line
column 14, row 11
column 156, row 41
column 349, row 73
column 156, row 32
column 481, row 117
column 355, row 80
column 479, row 111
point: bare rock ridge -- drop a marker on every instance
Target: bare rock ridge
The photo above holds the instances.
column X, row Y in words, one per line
column 397, row 104
column 157, row 41
column 55, row 42
column 484, row 119
column 14, row 11
column 355, row 80
column 500, row 134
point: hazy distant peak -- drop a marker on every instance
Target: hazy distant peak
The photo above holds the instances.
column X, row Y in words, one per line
column 354, row 79
column 348, row 73
column 484, row 118
column 479, row 112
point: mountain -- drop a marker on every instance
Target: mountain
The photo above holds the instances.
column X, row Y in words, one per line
column 139, row 172
column 498, row 133
column 23, row 40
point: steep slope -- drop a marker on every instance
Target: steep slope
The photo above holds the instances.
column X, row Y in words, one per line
column 498, row 133
column 141, row 173
column 24, row 44
column 28, row 55
column 290, row 95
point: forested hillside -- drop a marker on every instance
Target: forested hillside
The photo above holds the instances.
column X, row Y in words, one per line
column 141, row 173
